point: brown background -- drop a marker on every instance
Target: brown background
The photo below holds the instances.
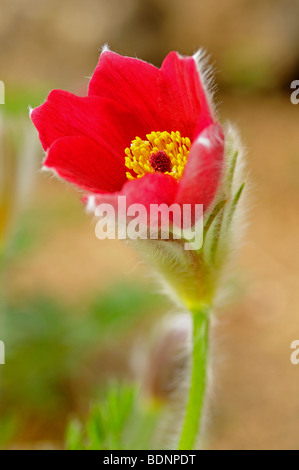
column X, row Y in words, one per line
column 254, row 45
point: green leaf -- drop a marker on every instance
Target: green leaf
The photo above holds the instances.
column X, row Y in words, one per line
column 74, row 435
column 234, row 204
column 216, row 235
column 231, row 170
column 213, row 216
column 117, row 422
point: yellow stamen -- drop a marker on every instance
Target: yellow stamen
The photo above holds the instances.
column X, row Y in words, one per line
column 175, row 146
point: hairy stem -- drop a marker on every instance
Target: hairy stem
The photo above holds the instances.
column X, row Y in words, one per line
column 198, row 383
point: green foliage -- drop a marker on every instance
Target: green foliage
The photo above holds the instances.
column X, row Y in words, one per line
column 42, row 349
column 122, row 307
column 118, row 422
column 17, row 99
column 8, row 425
column 47, row 346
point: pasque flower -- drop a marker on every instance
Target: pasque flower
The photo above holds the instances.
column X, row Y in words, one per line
column 151, row 134
column 143, row 132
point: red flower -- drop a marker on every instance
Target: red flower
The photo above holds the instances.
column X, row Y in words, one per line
column 91, row 141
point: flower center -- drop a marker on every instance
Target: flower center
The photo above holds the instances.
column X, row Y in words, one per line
column 160, row 162
column 163, row 152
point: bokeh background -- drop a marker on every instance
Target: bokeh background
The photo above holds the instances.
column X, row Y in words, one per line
column 77, row 312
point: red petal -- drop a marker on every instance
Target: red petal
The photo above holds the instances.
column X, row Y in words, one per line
column 132, row 82
column 170, row 98
column 81, row 161
column 154, row 188
column 106, row 122
column 187, row 98
column 203, row 169
column 151, row 189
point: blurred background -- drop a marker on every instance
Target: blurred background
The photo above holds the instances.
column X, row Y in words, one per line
column 77, row 313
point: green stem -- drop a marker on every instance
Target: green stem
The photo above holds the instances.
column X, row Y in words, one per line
column 196, row 397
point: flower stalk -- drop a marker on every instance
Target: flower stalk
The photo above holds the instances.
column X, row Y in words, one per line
column 197, row 391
